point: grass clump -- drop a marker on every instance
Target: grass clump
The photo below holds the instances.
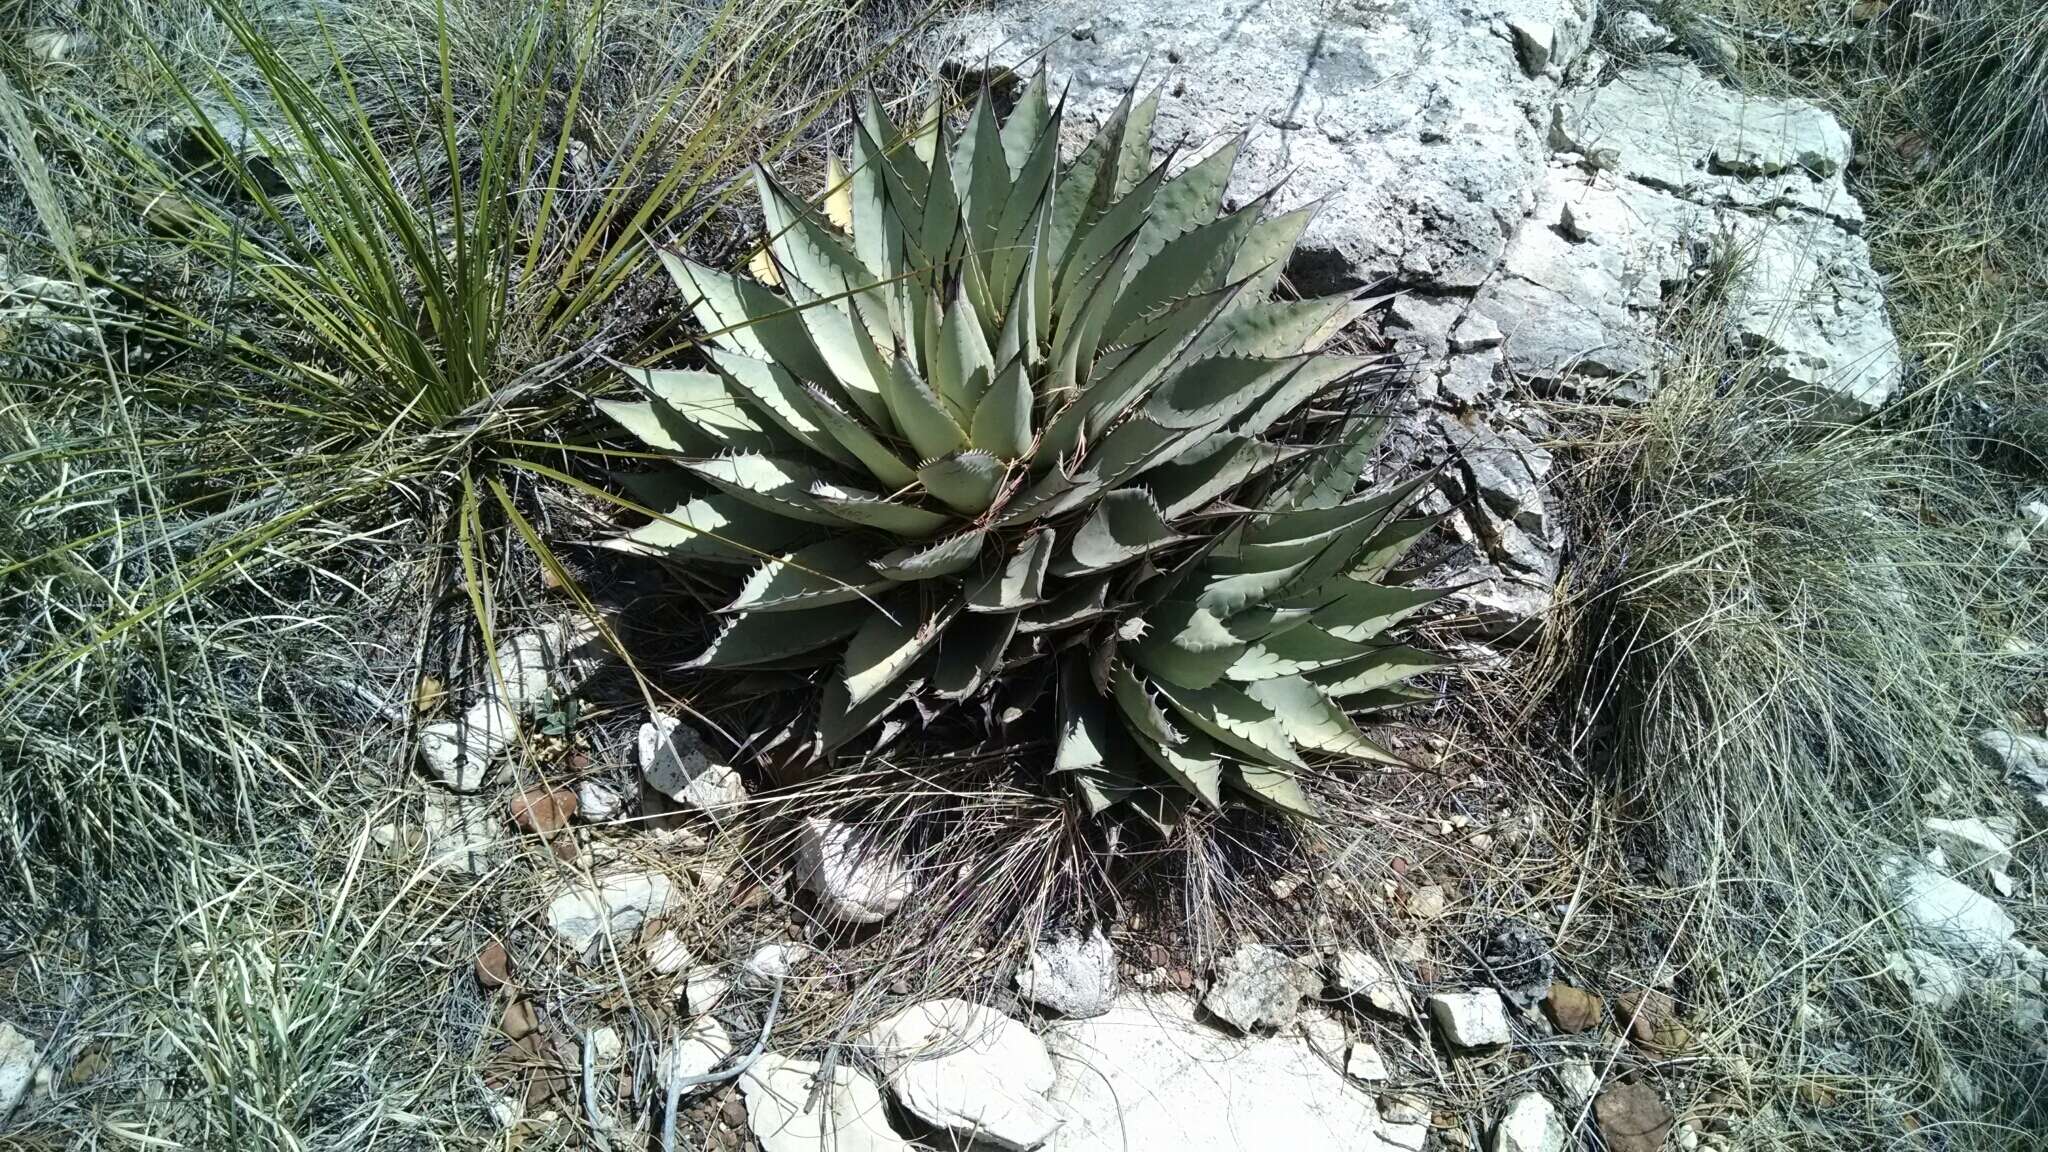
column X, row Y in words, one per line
column 1981, row 71
column 1789, row 629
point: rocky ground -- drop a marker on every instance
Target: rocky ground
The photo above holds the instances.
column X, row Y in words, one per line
column 1535, row 184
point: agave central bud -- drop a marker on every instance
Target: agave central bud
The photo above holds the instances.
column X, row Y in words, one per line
column 990, row 408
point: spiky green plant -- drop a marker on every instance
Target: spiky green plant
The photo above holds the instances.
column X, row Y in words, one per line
column 1012, row 410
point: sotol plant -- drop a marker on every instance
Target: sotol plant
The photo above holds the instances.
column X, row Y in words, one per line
column 1007, row 422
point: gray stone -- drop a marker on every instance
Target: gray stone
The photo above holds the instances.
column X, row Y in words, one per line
column 769, row 964
column 1073, row 975
column 598, row 802
column 1949, row 914
column 538, row 666
column 847, row 1116
column 615, row 904
column 1475, row 1019
column 676, row 762
column 1578, row 1081
column 533, row 669
column 1402, row 119
column 462, row 834
column 1583, row 283
column 856, row 876
column 1927, row 978
column 1535, row 41
column 704, row 989
column 18, row 1059
column 1365, row 1064
column 1404, row 1108
column 1636, row 31
column 697, row 1051
column 1258, row 989
column 2020, row 756
column 1476, row 333
column 57, row 45
column 970, row 1071
column 1972, row 845
column 667, row 954
column 1808, row 302
column 459, row 753
column 1147, row 1075
column 1530, row 1124
column 1363, row 976
column 1325, row 1035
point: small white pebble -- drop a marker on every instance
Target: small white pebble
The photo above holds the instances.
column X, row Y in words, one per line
column 667, row 955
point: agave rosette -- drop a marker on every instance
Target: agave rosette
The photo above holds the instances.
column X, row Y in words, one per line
column 990, row 409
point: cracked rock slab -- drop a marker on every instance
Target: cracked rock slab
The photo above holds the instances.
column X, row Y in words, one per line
column 1670, row 126
column 970, row 1071
column 1148, row 1075
column 1414, row 124
column 846, row 1116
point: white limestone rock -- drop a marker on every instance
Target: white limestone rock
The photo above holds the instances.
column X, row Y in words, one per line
column 1673, row 127
column 1530, row 1124
column 1975, row 849
column 1363, row 976
column 1475, row 333
column 1072, row 975
column 463, row 834
column 856, row 875
column 968, row 1070
column 676, row 762
column 459, row 753
column 17, row 1068
column 1928, row 978
column 1147, row 1075
column 1636, row 31
column 1475, row 1019
column 1258, row 988
column 1579, row 1082
column 615, row 904
column 1406, row 121
column 696, row 1051
column 538, row 666
column 704, row 989
column 1948, row 914
column 598, row 802
column 769, row 963
column 848, row 1115
column 2020, row 756
column 1365, row 1064
column 667, row 954
column 57, row 45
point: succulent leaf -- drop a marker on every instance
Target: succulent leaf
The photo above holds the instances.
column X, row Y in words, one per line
column 828, row 572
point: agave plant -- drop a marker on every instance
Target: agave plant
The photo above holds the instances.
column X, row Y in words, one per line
column 990, row 413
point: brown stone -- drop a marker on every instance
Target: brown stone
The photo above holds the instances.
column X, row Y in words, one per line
column 1652, row 1020
column 493, row 966
column 543, row 810
column 1573, row 1010
column 1632, row 1118
column 519, row 1020
column 734, row 1112
column 1816, row 1095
